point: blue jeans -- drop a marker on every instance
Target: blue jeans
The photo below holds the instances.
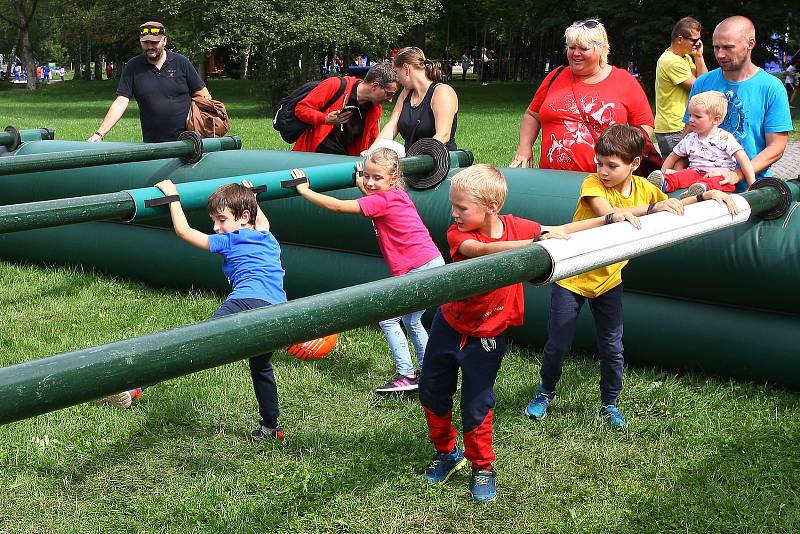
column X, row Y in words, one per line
column 398, row 343
column 607, row 313
column 261, row 372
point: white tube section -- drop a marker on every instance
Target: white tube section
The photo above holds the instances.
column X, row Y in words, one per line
column 611, row 243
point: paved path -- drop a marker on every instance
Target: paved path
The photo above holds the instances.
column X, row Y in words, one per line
column 788, row 167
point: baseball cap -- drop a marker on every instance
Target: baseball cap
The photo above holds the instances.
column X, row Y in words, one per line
column 151, row 31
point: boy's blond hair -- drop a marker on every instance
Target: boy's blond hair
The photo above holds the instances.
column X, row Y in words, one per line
column 713, row 102
column 483, row 183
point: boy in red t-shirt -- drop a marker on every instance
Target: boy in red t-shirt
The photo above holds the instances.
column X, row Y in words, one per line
column 470, row 334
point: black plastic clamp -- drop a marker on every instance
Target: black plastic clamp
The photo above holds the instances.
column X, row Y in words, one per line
column 784, row 201
column 258, row 189
column 288, row 184
column 197, row 154
column 16, row 140
column 161, row 201
column 441, row 163
column 237, row 140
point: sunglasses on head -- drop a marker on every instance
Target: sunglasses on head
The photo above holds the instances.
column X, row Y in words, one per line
column 588, row 23
column 152, row 31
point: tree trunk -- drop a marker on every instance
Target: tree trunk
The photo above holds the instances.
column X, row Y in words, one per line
column 23, row 27
column 310, row 67
column 201, row 66
column 77, row 69
column 98, row 68
column 419, row 36
column 246, row 60
column 87, row 67
column 447, row 43
column 10, row 62
column 27, row 59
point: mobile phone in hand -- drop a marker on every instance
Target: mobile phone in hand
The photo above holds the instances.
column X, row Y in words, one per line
column 355, row 110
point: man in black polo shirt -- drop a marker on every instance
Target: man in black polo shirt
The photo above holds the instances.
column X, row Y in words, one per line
column 163, row 84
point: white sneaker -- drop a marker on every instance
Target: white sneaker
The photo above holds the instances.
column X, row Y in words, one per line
column 120, row 400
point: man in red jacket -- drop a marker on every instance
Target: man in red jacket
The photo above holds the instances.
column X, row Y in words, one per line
column 350, row 132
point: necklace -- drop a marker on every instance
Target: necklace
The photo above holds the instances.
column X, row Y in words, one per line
column 421, row 98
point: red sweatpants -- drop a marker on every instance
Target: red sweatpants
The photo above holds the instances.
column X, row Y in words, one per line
column 686, row 177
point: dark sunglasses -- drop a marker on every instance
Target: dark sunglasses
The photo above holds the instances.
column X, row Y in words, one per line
column 588, row 23
column 693, row 41
column 151, row 31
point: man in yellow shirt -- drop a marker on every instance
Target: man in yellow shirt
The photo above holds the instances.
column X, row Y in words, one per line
column 677, row 69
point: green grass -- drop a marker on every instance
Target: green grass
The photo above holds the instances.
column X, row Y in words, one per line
column 701, row 455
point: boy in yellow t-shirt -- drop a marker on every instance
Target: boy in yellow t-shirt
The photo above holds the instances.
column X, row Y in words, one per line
column 612, row 189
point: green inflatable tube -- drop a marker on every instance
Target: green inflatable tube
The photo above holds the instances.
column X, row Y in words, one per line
column 754, row 265
column 157, row 257
column 11, row 138
column 68, row 183
column 670, row 333
column 103, row 154
column 147, row 203
column 194, row 195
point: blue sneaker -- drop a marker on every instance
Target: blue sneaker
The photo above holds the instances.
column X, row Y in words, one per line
column 444, row 464
column 537, row 408
column 263, row 433
column 612, row 416
column 483, row 487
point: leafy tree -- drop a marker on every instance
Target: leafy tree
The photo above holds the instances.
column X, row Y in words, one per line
column 24, row 11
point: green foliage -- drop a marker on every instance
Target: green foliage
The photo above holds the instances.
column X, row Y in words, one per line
column 639, row 30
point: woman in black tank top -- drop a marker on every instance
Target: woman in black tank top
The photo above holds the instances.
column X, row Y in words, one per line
column 426, row 107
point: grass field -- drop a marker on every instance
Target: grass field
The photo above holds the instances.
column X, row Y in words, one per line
column 700, row 455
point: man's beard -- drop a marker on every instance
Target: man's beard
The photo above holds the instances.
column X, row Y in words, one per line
column 157, row 57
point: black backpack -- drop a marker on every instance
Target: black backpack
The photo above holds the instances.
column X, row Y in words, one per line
column 284, row 120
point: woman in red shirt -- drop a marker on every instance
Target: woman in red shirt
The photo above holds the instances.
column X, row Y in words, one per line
column 574, row 104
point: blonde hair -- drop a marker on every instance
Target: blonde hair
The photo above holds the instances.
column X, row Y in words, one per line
column 596, row 37
column 388, row 160
column 714, row 102
column 483, row 183
column 415, row 57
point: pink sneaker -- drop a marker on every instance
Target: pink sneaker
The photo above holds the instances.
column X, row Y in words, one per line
column 399, row 384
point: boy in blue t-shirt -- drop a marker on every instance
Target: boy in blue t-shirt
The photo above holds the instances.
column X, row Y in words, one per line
column 252, row 264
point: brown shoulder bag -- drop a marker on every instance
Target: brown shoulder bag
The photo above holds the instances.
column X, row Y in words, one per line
column 208, row 118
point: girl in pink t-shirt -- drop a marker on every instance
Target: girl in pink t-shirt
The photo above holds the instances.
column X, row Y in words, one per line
column 404, row 241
